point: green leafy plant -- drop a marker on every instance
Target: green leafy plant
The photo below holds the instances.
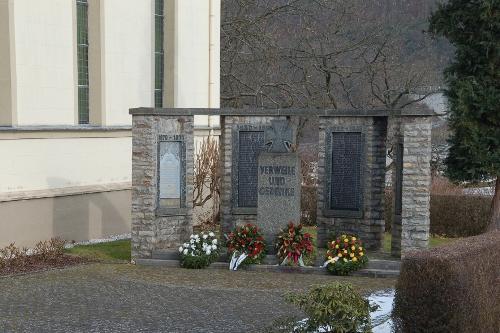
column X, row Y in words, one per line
column 249, row 240
column 334, row 307
column 293, row 244
column 201, row 250
column 345, row 254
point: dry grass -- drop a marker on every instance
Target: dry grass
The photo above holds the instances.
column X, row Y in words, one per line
column 441, row 185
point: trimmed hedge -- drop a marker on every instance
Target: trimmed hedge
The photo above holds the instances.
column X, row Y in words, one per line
column 453, row 288
column 452, row 215
column 459, row 215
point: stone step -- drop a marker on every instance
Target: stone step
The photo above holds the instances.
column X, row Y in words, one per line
column 374, row 264
column 367, row 272
column 165, row 255
column 377, row 273
column 174, row 255
column 384, row 264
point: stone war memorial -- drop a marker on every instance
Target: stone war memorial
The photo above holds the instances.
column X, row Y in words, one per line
column 261, row 174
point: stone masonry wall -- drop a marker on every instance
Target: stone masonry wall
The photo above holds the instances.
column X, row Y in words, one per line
column 154, row 229
column 416, row 183
column 229, row 216
column 394, row 141
column 149, row 230
column 370, row 227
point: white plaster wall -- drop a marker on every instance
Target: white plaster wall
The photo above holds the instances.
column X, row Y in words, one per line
column 194, row 58
column 37, row 164
column 128, row 52
column 44, row 62
column 192, row 52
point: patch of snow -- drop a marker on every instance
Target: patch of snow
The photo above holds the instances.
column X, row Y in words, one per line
column 381, row 318
column 486, row 191
column 436, row 102
column 99, row 240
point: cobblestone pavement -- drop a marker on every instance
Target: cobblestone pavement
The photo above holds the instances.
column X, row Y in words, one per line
column 127, row 298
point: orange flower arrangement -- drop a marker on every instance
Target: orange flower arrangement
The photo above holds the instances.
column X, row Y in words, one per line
column 345, row 254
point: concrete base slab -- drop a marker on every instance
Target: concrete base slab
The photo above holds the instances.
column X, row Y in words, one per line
column 376, row 268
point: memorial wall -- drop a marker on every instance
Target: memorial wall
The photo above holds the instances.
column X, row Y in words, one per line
column 261, row 178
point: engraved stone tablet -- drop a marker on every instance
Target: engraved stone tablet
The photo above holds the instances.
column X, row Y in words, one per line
column 278, row 193
column 250, row 144
column 279, row 136
column 170, row 174
column 345, row 190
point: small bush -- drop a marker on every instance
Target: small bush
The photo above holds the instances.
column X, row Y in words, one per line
column 454, row 288
column 332, row 308
column 247, row 239
column 13, row 257
column 45, row 254
column 345, row 254
column 201, row 250
column 452, row 215
column 49, row 250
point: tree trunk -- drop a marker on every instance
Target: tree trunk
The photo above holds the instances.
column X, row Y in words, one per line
column 495, row 208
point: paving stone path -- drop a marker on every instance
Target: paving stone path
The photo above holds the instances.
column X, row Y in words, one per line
column 125, row 298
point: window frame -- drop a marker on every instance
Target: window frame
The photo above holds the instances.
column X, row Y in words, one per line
column 82, row 46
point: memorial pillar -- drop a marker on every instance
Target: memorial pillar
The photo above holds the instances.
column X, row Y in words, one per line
column 162, row 181
column 279, row 182
column 416, row 182
column 396, row 151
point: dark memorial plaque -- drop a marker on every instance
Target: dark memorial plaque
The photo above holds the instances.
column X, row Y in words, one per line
column 346, row 168
column 249, row 145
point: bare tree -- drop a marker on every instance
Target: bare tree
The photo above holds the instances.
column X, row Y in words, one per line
column 207, row 180
column 321, row 54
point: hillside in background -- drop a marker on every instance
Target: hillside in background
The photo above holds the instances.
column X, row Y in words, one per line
column 328, row 54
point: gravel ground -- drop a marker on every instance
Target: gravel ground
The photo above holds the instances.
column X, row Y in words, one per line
column 127, row 298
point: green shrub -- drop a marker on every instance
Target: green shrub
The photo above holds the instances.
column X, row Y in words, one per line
column 336, row 306
column 452, row 215
column 201, row 250
column 453, row 288
column 345, row 254
column 197, row 262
